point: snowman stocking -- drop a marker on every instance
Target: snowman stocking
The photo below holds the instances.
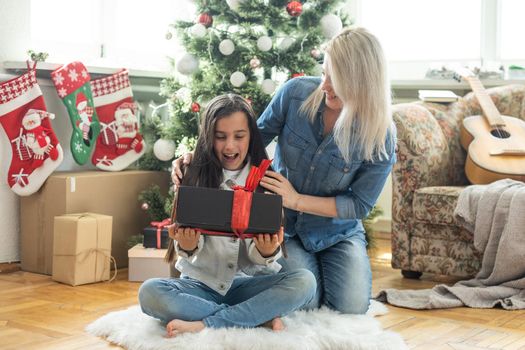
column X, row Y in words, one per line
column 119, row 143
column 72, row 84
column 36, row 152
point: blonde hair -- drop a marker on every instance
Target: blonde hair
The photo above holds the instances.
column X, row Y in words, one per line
column 357, row 68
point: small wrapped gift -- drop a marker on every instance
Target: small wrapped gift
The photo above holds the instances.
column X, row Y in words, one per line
column 241, row 212
column 156, row 235
column 82, row 248
column 145, row 263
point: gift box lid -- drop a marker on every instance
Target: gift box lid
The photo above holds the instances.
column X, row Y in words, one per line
column 210, row 209
column 138, row 251
column 74, row 233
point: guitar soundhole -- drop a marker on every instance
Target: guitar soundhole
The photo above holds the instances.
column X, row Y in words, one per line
column 500, row 133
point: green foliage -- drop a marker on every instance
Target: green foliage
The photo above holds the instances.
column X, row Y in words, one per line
column 155, row 202
column 372, row 217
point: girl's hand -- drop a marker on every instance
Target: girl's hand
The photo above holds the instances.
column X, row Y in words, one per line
column 267, row 243
column 277, row 183
column 187, row 238
column 176, row 171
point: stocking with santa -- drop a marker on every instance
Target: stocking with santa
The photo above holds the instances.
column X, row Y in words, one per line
column 119, row 143
column 36, row 152
column 72, row 84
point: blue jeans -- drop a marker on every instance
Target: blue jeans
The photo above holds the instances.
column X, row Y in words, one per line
column 342, row 271
column 250, row 302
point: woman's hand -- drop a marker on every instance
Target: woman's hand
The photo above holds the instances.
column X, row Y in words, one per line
column 176, row 171
column 267, row 243
column 277, row 183
column 187, row 238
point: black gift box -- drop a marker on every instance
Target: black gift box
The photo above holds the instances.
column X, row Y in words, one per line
column 150, row 237
column 211, row 209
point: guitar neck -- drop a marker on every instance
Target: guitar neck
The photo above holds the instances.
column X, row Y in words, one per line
column 488, row 107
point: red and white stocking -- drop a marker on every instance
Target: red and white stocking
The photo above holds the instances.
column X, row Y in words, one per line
column 36, row 152
column 119, row 143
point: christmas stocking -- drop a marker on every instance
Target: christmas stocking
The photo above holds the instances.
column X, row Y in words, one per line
column 119, row 143
column 72, row 84
column 36, row 152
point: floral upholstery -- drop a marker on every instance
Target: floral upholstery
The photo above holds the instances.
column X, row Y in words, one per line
column 428, row 178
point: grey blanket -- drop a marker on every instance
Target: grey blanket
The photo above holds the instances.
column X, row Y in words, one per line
column 496, row 215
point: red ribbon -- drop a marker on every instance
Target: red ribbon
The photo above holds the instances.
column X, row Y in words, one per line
column 160, row 225
column 242, row 202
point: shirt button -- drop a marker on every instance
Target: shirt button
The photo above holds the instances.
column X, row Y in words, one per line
column 230, row 265
column 346, row 170
column 312, row 167
column 319, row 152
column 221, row 286
column 300, row 213
column 270, row 261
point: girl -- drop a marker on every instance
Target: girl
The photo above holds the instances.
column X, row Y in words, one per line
column 224, row 281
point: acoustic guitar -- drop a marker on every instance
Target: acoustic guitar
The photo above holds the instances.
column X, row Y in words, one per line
column 495, row 143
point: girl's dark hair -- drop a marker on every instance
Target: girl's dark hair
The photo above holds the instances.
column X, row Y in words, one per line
column 205, row 169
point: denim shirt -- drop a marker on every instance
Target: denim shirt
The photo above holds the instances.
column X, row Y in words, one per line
column 314, row 166
column 217, row 261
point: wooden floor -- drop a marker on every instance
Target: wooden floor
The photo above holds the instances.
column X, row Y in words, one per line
column 37, row 313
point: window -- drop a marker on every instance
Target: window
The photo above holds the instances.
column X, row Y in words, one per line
column 115, row 33
column 417, row 33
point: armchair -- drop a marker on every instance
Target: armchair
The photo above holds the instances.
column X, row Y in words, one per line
column 427, row 180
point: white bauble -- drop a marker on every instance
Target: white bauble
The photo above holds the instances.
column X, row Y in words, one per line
column 234, row 4
column 198, row 30
column 226, row 47
column 188, row 64
column 164, row 149
column 331, row 25
column 268, row 86
column 237, row 79
column 264, row 43
column 286, row 43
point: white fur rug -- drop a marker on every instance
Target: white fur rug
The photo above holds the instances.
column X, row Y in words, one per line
column 321, row 329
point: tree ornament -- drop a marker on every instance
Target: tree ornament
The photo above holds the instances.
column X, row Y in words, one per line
column 144, row 206
column 255, row 62
column 205, row 19
column 331, row 25
column 164, row 150
column 198, row 30
column 295, row 75
column 268, row 86
column 237, row 79
column 294, row 8
column 315, row 53
column 195, row 107
column 168, row 36
column 264, row 43
column 188, row 64
column 286, row 43
column 226, row 47
column 234, row 4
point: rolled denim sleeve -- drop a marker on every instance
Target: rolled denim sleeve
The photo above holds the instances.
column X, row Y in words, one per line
column 368, row 183
column 256, row 257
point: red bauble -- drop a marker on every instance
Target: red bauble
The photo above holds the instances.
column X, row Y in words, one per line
column 294, row 8
column 205, row 19
column 295, row 75
column 195, row 107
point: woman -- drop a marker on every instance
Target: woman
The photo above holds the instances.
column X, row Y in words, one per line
column 335, row 149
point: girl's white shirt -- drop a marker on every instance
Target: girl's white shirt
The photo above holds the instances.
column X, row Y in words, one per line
column 218, row 260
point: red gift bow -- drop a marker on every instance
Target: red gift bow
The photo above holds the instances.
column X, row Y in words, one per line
column 242, row 202
column 160, row 225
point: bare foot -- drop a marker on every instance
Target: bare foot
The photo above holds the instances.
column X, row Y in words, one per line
column 176, row 327
column 275, row 325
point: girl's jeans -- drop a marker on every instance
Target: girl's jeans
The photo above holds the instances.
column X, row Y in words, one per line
column 250, row 302
column 342, row 271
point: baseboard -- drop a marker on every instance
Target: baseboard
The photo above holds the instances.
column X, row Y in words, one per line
column 383, row 225
column 9, row 267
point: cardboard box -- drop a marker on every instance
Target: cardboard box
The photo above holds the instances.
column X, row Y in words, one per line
column 150, row 237
column 108, row 193
column 145, row 263
column 82, row 248
column 211, row 209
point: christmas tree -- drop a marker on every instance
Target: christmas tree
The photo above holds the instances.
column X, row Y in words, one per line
column 248, row 47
